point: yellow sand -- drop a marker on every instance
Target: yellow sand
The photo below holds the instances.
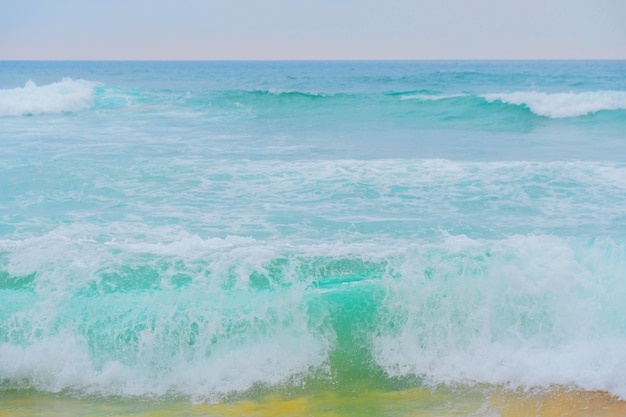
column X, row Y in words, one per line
column 406, row 403
column 561, row 403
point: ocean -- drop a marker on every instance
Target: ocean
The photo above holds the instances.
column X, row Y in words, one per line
column 312, row 238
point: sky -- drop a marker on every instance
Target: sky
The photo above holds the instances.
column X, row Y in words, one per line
column 312, row 29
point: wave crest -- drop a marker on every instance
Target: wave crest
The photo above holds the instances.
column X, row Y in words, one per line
column 562, row 105
column 67, row 95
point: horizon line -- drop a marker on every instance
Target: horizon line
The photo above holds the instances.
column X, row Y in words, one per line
column 307, row 59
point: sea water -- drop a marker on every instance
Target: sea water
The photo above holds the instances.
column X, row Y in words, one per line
column 205, row 231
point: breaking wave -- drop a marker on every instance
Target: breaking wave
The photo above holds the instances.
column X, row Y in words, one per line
column 67, row 95
column 207, row 317
column 561, row 105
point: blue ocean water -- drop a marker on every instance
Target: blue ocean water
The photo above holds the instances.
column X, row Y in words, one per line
column 208, row 229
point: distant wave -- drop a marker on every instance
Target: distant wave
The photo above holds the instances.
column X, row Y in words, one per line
column 294, row 93
column 67, row 95
column 561, row 105
column 278, row 94
column 431, row 96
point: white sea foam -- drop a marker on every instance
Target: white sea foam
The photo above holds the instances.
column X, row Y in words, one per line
column 242, row 338
column 67, row 95
column 62, row 362
column 560, row 105
column 527, row 311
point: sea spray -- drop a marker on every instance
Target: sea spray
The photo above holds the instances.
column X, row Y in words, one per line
column 523, row 311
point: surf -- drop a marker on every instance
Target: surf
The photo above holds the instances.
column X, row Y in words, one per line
column 243, row 314
column 64, row 96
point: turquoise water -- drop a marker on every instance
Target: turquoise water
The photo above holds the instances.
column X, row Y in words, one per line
column 206, row 230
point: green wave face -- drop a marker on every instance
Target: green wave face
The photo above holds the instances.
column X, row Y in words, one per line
column 239, row 318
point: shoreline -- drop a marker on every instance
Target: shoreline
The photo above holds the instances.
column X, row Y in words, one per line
column 483, row 400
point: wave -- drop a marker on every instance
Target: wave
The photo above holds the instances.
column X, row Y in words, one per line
column 261, row 100
column 433, row 106
column 70, row 95
column 562, row 105
column 67, row 95
column 293, row 109
column 205, row 318
column 431, row 96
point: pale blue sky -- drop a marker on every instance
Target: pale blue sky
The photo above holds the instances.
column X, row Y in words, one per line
column 307, row 29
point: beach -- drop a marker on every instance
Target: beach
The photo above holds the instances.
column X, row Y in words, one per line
column 415, row 402
column 327, row 238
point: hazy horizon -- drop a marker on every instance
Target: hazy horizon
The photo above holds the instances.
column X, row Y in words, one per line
column 321, row 30
column 314, row 60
